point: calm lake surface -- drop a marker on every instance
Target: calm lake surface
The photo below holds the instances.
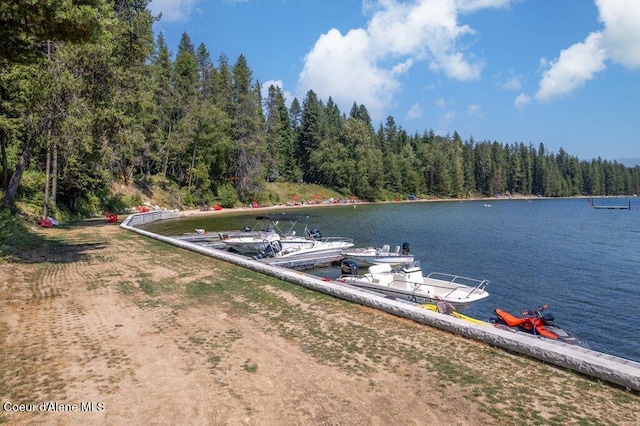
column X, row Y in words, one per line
column 581, row 261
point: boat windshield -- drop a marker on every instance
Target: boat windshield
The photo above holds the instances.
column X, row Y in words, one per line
column 411, row 265
column 270, row 223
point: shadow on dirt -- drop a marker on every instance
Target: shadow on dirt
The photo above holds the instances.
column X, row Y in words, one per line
column 20, row 244
column 56, row 252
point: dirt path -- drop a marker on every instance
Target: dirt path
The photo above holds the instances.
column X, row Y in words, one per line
column 135, row 332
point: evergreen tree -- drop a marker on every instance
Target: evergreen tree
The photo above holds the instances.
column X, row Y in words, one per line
column 164, row 93
column 26, row 24
column 310, row 134
column 223, row 84
column 468, row 161
column 248, row 132
column 133, row 104
column 182, row 145
column 368, row 175
column 280, row 139
column 206, row 72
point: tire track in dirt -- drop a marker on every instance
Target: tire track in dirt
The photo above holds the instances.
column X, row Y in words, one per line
column 278, row 384
column 92, row 334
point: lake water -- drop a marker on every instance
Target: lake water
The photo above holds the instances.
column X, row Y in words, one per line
column 581, row 261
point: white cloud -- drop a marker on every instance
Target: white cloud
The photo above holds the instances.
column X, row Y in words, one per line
column 339, row 66
column 441, row 103
column 473, row 5
column 576, row 65
column 365, row 64
column 474, row 110
column 288, row 97
column 445, row 122
column 621, row 36
column 510, row 82
column 618, row 42
column 178, row 10
column 173, row 10
column 414, row 112
column 423, row 29
column 521, row 101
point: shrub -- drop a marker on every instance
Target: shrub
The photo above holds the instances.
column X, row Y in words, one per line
column 227, row 195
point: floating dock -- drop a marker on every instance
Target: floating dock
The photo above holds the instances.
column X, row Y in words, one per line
column 199, row 238
column 305, row 261
column 610, row 207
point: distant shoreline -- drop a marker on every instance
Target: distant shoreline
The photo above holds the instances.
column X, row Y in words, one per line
column 197, row 212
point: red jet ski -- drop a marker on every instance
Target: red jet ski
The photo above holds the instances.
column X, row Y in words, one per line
column 536, row 322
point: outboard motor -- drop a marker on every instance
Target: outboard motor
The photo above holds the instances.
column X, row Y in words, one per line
column 315, row 234
column 270, row 250
column 405, row 248
column 349, row 267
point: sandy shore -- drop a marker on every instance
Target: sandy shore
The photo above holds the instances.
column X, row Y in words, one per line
column 237, row 210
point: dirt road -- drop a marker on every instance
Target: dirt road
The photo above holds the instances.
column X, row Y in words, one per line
column 102, row 326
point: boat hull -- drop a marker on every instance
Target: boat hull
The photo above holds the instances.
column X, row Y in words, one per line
column 247, row 247
column 369, row 256
column 408, row 283
column 412, row 296
column 317, row 248
column 364, row 260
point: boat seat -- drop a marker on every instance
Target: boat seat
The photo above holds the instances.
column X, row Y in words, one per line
column 397, row 251
column 383, row 279
column 385, row 248
column 380, row 269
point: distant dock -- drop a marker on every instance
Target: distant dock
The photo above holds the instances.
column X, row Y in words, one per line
column 610, row 207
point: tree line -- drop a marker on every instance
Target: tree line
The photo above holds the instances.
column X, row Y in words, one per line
column 91, row 97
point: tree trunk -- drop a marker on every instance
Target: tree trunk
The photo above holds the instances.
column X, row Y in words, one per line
column 25, row 158
column 193, row 164
column 5, row 165
column 47, row 174
column 54, row 176
column 166, row 157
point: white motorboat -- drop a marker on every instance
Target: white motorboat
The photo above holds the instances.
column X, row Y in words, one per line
column 316, row 245
column 376, row 256
column 250, row 242
column 408, row 283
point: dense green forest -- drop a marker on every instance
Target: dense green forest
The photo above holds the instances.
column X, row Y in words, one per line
column 90, row 97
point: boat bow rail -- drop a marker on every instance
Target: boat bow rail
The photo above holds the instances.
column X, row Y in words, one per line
column 469, row 285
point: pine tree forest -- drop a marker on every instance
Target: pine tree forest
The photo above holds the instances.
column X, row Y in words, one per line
column 89, row 96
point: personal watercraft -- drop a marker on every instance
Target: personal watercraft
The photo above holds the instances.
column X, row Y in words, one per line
column 536, row 322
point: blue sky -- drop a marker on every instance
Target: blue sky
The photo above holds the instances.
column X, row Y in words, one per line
column 565, row 73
